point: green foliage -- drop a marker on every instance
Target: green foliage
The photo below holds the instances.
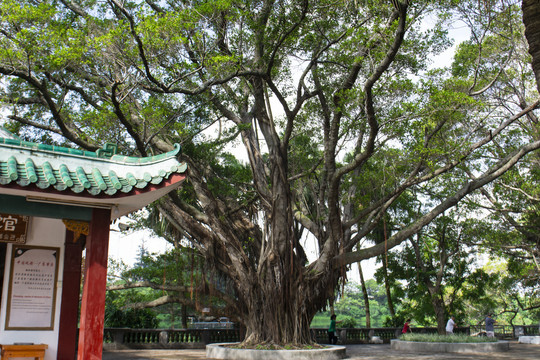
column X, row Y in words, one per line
column 170, row 274
column 117, row 314
column 399, row 319
column 350, row 307
column 348, row 322
column 320, row 320
column 130, row 318
column 511, row 301
column 437, row 265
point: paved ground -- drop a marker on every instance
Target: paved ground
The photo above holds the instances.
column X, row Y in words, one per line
column 364, row 352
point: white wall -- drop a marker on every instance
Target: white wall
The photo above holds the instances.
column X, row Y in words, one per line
column 41, row 232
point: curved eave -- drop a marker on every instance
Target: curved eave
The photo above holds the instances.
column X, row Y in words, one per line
column 120, row 203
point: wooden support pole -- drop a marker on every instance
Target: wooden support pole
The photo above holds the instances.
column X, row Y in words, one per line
column 95, row 282
column 71, row 288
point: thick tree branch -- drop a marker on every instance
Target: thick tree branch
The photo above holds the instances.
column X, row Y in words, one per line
column 41, row 87
column 396, row 239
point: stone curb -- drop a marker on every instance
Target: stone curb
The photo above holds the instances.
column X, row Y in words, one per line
column 440, row 347
column 529, row 340
column 218, row 351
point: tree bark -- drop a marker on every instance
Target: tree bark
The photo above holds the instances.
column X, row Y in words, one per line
column 440, row 313
column 184, row 316
column 388, row 291
column 531, row 19
column 366, row 297
column 434, row 286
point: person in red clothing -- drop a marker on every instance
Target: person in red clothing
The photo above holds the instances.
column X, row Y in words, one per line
column 406, row 327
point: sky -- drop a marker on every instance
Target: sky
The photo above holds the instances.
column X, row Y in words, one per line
column 126, row 247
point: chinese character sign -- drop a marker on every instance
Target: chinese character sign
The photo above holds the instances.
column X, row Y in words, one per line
column 32, row 291
column 13, row 228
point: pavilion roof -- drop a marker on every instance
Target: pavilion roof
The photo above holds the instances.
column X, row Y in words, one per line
column 102, row 174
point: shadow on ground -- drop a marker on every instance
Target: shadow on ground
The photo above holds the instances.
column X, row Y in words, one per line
column 364, row 352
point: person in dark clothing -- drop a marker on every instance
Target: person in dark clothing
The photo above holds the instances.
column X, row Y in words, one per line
column 490, row 329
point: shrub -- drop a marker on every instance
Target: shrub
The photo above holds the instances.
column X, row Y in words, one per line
column 348, row 322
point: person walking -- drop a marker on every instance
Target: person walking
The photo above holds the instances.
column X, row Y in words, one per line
column 406, row 327
column 332, row 338
column 450, row 325
column 490, row 329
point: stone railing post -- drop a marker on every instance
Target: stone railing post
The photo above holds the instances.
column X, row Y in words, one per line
column 163, row 338
column 343, row 336
column 205, row 336
column 118, row 336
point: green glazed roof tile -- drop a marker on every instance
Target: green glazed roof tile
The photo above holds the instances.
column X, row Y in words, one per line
column 31, row 170
column 147, row 177
column 81, row 175
column 99, row 179
column 12, row 168
column 156, row 180
column 24, row 164
column 114, row 180
column 132, row 181
column 65, row 176
column 48, row 173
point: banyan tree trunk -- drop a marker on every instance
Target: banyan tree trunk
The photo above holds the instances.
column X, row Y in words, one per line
column 281, row 309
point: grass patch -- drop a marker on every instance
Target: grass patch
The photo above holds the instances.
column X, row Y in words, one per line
column 270, row 346
column 456, row 338
column 320, row 321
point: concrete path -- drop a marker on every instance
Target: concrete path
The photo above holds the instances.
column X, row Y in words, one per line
column 364, row 352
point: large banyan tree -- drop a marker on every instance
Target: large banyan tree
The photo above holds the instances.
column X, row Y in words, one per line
column 303, row 122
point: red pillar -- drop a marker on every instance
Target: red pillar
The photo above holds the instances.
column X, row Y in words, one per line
column 71, row 287
column 95, row 281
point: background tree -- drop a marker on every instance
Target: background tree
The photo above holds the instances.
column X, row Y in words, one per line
column 506, row 225
column 156, row 281
column 438, row 273
column 316, row 92
column 365, row 294
column 116, row 315
column 351, row 305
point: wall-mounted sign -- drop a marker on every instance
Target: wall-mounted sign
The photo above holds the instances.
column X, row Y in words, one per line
column 13, row 228
column 32, row 288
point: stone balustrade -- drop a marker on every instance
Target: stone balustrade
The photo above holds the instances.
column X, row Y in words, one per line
column 125, row 338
